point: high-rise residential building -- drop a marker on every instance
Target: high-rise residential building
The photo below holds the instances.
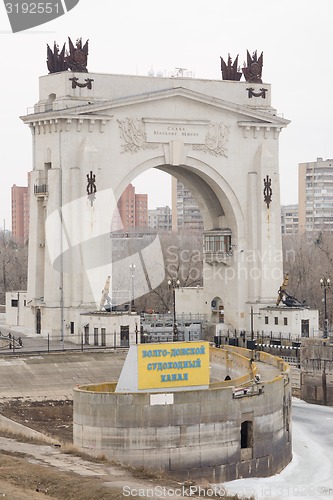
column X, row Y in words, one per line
column 289, row 219
column 187, row 214
column 133, row 209
column 160, row 219
column 141, row 210
column 20, row 214
column 315, row 196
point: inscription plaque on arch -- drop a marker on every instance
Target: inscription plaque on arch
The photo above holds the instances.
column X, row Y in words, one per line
column 165, row 131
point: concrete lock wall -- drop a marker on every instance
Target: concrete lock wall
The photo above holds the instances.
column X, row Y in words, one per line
column 194, row 434
column 317, row 372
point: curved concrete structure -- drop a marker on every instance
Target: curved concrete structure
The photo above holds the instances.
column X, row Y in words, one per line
column 237, row 428
column 317, row 371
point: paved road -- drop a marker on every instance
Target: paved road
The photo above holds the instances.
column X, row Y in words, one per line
column 266, row 372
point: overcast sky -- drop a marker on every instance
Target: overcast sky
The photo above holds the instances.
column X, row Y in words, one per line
column 131, row 36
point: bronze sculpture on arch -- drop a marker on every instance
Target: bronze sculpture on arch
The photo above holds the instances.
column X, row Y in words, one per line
column 77, row 56
column 230, row 70
column 55, row 59
column 75, row 59
column 252, row 72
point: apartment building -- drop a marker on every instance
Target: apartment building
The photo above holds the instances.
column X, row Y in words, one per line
column 185, row 211
column 289, row 219
column 133, row 209
column 160, row 219
column 315, row 195
column 20, row 214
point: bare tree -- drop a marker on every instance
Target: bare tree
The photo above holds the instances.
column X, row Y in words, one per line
column 182, row 253
column 307, row 259
column 13, row 266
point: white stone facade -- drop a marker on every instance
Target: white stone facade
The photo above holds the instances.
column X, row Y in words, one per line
column 211, row 135
column 16, row 310
column 295, row 323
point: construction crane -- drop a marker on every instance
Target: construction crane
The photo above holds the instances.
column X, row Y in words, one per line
column 105, row 296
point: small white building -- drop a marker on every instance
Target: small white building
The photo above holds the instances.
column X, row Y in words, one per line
column 278, row 321
column 99, row 328
column 108, row 329
column 288, row 322
column 16, row 310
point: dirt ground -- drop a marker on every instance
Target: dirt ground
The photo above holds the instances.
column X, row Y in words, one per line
column 22, row 479
column 53, row 418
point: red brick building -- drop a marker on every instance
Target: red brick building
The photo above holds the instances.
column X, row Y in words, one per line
column 20, row 214
column 133, row 209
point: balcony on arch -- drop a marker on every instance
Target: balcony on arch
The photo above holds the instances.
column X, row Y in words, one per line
column 41, row 188
column 217, row 247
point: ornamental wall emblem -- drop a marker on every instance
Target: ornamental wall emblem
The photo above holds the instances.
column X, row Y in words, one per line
column 91, row 187
column 251, row 93
column 132, row 131
column 216, row 140
column 267, row 190
column 76, row 83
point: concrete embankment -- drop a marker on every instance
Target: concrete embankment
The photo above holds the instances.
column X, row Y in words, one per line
column 53, row 376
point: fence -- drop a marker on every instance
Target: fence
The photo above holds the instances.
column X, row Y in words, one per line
column 15, row 345
column 262, row 337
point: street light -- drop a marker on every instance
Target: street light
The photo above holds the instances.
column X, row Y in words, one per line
column 252, row 330
column 174, row 283
column 325, row 283
column 132, row 269
column 252, row 318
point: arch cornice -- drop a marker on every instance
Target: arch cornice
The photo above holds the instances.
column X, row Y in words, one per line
column 98, row 108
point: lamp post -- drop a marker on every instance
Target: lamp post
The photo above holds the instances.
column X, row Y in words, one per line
column 252, row 330
column 252, row 317
column 325, row 283
column 132, row 269
column 174, row 283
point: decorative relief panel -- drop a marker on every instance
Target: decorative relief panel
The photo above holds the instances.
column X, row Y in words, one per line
column 147, row 133
column 132, row 131
column 216, row 140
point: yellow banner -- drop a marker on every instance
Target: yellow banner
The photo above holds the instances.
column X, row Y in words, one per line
column 174, row 364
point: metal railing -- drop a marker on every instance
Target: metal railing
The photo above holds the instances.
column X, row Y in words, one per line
column 41, row 189
column 10, row 343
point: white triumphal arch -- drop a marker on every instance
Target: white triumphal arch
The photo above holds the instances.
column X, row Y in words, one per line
column 94, row 133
